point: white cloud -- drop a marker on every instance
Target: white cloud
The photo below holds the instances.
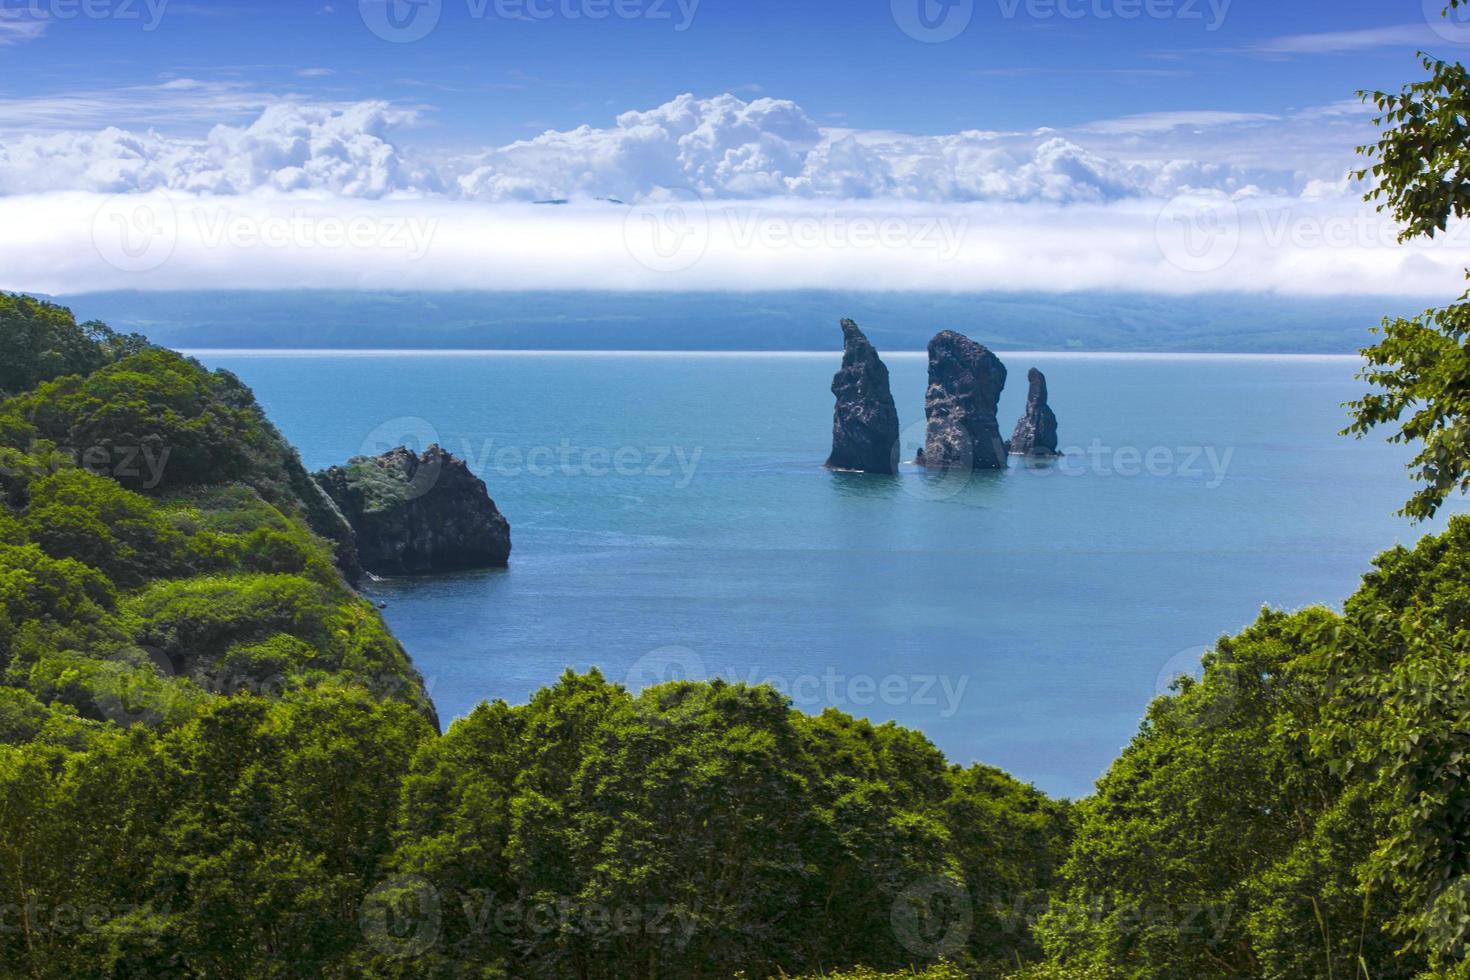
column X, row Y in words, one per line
column 70, row 242
column 1159, row 122
column 288, row 147
column 781, row 201
column 718, row 148
column 1340, row 42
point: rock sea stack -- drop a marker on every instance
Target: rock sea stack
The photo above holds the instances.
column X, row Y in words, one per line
column 417, row 514
column 864, row 421
column 1036, row 432
column 965, row 382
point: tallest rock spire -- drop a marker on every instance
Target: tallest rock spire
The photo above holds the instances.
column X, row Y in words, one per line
column 865, row 422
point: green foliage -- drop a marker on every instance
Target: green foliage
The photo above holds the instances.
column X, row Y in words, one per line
column 1422, row 370
column 40, row 341
column 1302, row 810
column 1399, row 727
column 215, row 760
column 1421, row 174
column 941, row 971
column 74, row 514
column 699, row 828
column 236, row 845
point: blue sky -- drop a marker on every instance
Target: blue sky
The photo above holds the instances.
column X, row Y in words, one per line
column 1173, row 146
column 494, row 79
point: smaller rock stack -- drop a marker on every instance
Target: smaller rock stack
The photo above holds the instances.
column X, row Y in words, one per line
column 1036, row 432
column 865, row 421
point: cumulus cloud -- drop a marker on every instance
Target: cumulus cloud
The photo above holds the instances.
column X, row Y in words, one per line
column 288, row 147
column 717, row 148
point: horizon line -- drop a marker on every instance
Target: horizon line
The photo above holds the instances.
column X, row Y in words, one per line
column 676, row 352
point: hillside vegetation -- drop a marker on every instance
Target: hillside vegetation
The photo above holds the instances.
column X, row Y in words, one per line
column 215, row 760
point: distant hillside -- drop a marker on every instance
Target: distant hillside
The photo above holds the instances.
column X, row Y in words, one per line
column 740, row 321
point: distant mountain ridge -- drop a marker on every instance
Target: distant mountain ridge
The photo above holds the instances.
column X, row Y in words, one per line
column 776, row 321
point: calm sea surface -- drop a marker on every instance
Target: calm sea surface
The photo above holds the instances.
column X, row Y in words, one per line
column 671, row 518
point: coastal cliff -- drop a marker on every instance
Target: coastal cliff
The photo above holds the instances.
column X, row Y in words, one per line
column 415, row 514
column 864, row 420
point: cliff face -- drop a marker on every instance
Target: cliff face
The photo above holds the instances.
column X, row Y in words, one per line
column 1036, row 431
column 416, row 515
column 864, row 421
column 965, row 382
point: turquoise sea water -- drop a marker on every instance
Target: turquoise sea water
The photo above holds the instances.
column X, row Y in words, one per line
column 671, row 518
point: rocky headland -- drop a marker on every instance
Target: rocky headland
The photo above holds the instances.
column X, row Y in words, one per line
column 415, row 514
